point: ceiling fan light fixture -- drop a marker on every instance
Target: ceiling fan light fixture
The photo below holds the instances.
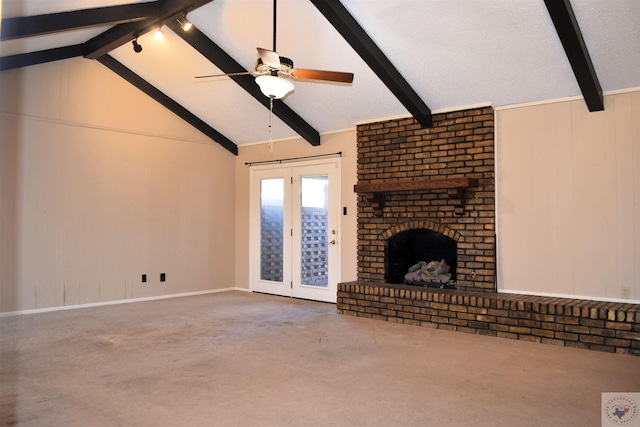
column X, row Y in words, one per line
column 274, row 87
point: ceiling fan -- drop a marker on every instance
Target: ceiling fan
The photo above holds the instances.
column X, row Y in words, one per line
column 272, row 71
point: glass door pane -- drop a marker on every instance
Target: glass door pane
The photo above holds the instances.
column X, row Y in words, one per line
column 314, row 231
column 271, row 229
column 316, row 208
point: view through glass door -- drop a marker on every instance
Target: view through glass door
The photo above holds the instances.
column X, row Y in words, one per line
column 295, row 215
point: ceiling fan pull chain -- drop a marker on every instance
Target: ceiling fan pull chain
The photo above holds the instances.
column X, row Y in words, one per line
column 270, row 118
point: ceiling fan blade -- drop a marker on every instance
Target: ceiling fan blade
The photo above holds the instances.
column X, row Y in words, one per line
column 269, row 58
column 332, row 76
column 242, row 73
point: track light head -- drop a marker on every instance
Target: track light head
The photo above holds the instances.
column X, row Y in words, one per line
column 136, row 46
column 185, row 24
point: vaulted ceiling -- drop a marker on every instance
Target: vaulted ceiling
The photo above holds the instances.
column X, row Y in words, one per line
column 408, row 56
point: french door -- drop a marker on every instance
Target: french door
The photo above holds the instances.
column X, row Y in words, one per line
column 294, row 233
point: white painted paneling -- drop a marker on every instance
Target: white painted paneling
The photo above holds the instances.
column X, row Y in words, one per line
column 635, row 112
column 9, row 149
column 558, row 181
column 514, row 213
column 626, row 165
column 95, row 200
column 568, row 197
column 534, row 198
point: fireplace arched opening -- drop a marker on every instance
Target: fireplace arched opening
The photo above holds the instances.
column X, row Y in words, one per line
column 408, row 248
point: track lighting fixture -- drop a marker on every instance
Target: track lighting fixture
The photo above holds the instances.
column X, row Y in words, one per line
column 184, row 23
column 136, row 46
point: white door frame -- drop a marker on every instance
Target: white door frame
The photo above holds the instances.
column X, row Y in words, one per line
column 287, row 171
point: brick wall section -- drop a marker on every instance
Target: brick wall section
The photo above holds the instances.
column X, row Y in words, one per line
column 594, row 325
column 460, row 144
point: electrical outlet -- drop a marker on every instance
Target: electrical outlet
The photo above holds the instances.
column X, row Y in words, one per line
column 144, row 278
column 163, row 277
column 624, row 293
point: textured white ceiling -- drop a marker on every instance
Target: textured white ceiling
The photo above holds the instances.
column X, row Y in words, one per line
column 454, row 53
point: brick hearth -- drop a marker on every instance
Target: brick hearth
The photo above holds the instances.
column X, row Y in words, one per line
column 593, row 325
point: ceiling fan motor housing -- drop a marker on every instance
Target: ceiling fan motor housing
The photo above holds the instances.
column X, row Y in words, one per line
column 286, row 65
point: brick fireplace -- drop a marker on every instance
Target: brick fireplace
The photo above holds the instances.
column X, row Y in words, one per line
column 439, row 181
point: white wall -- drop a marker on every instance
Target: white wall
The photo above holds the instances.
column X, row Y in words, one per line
column 568, row 198
column 99, row 184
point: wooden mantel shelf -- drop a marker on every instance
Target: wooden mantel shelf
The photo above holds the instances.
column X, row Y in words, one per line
column 416, row 185
column 456, row 190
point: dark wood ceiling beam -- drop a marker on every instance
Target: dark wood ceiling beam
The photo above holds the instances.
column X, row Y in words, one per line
column 167, row 102
column 227, row 64
column 33, row 58
column 356, row 36
column 27, row 26
column 570, row 35
column 124, row 33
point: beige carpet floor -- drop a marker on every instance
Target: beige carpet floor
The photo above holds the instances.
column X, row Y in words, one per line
column 241, row 359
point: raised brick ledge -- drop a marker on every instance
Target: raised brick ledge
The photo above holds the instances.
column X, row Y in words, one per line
column 589, row 324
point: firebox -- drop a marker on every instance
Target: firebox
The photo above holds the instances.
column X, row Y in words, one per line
column 418, row 248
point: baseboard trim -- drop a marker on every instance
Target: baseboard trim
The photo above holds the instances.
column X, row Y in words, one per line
column 569, row 296
column 123, row 301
